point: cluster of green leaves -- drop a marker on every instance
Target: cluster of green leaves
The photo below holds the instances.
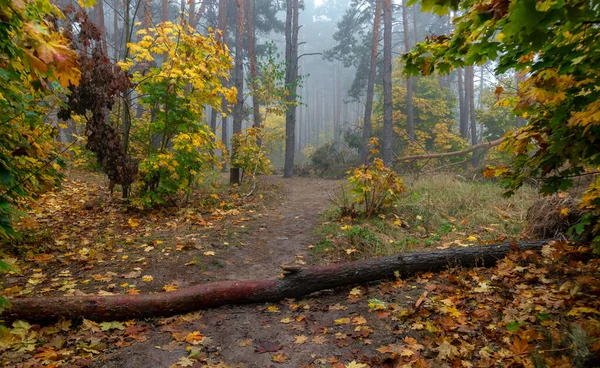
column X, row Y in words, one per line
column 555, row 43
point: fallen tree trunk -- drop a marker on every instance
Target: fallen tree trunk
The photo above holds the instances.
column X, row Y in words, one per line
column 297, row 281
column 451, row 154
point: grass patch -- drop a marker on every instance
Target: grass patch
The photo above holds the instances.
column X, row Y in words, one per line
column 436, row 211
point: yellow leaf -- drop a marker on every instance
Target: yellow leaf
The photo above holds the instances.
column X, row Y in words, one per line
column 581, row 310
column 170, row 287
column 147, row 278
column 86, row 3
column 133, row 222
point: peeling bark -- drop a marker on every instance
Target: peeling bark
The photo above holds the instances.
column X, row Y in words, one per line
column 297, row 281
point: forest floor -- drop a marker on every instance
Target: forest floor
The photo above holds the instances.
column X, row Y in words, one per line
column 530, row 310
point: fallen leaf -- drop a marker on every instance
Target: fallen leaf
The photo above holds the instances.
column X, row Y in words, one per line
column 301, row 339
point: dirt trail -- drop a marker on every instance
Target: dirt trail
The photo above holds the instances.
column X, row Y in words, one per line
column 284, row 232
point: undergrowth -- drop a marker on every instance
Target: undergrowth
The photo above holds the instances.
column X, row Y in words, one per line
column 436, row 211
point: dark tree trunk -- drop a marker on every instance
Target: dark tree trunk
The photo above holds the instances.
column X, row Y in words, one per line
column 463, row 122
column 238, row 108
column 291, row 76
column 366, row 136
column 387, row 83
column 251, row 55
column 519, row 78
column 221, row 36
column 470, row 82
column 99, row 21
column 165, row 11
column 296, row 283
column 410, row 117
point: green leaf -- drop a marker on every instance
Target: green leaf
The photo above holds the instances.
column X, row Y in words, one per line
column 512, row 326
column 107, row 326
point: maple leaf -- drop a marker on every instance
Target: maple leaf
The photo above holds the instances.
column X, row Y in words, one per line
column 520, row 346
column 447, row 351
column 244, row 343
column 279, row 358
column 319, row 339
column 147, row 278
column 133, row 222
column 107, row 326
column 170, row 287
column 300, row 339
column 47, row 354
column 354, row 364
column 185, row 362
column 266, row 346
column 194, row 338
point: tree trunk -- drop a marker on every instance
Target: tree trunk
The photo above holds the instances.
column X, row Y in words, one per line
column 470, row 100
column 519, row 78
column 463, row 122
column 296, row 282
column 387, row 83
column 410, row 117
column 238, row 108
column 366, row 136
column 291, row 76
column 99, row 15
column 221, row 36
column 116, row 41
column 451, row 154
column 165, row 10
column 251, row 55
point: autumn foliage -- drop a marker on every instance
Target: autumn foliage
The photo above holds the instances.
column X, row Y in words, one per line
column 559, row 96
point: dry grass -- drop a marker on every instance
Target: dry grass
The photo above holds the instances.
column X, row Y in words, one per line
column 472, row 205
column 552, row 217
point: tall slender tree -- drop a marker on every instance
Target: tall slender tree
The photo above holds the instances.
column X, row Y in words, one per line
column 291, row 76
column 252, row 56
column 387, row 83
column 410, row 117
column 463, row 111
column 238, row 108
column 366, row 134
column 470, row 101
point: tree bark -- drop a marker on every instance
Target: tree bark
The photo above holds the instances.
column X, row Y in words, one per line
column 470, row 100
column 463, row 122
column 410, row 116
column 366, row 136
column 297, row 281
column 291, row 76
column 99, row 15
column 252, row 56
column 221, row 36
column 165, row 10
column 387, row 83
column 519, row 78
column 238, row 108
column 451, row 154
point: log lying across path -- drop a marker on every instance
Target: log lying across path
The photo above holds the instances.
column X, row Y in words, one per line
column 297, row 281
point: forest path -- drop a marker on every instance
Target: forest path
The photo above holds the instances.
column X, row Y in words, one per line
column 252, row 335
column 284, row 232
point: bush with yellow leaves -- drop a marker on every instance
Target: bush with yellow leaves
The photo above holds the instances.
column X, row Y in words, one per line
column 373, row 186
